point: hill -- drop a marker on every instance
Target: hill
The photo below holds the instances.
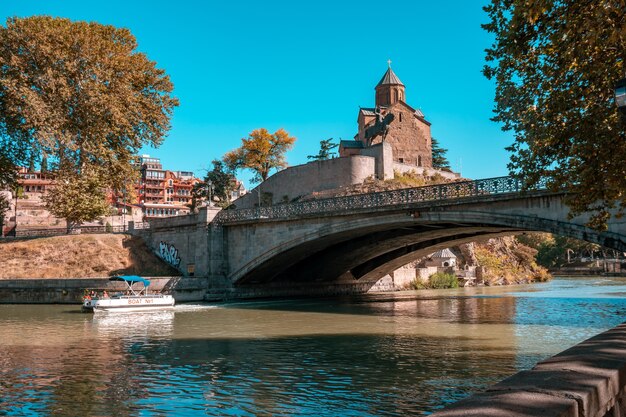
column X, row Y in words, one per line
column 80, row 256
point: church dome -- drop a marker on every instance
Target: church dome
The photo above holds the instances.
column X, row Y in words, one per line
column 390, row 78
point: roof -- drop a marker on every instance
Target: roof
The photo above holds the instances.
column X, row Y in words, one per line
column 351, row 144
column 368, row 111
column 390, row 78
column 444, row 253
column 130, row 279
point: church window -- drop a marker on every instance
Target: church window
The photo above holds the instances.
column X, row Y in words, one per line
column 400, row 115
column 419, row 161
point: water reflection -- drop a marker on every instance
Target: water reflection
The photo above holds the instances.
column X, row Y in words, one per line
column 387, row 355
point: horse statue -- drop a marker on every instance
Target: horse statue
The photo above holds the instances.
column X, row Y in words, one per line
column 380, row 126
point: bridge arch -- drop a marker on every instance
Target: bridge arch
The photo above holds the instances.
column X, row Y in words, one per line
column 367, row 248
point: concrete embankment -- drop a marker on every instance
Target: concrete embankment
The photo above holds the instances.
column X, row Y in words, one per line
column 71, row 291
column 587, row 380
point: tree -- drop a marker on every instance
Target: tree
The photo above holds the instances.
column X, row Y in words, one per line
column 5, row 205
column 79, row 94
column 326, row 147
column 261, row 152
column 218, row 181
column 439, row 155
column 77, row 197
column 555, row 64
column 552, row 250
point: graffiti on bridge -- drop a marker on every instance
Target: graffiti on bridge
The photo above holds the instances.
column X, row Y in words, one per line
column 169, row 254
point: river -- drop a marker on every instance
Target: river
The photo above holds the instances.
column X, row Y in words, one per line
column 392, row 354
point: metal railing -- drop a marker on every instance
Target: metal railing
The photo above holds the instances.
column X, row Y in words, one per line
column 439, row 192
column 59, row 231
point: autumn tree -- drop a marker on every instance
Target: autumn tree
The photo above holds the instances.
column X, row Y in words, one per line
column 80, row 95
column 439, row 155
column 555, row 64
column 261, row 152
column 326, row 150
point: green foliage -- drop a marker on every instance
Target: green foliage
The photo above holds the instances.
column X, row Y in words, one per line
column 77, row 198
column 555, row 64
column 443, row 280
column 440, row 160
column 217, row 183
column 261, row 152
column 80, row 95
column 326, row 147
column 108, row 228
column 438, row 280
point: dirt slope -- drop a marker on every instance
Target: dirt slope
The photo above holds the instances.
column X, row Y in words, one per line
column 79, row 256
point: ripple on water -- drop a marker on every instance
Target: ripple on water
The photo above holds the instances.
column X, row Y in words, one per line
column 386, row 355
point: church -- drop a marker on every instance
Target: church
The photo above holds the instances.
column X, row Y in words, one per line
column 393, row 121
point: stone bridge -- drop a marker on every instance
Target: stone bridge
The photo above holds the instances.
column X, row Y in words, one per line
column 356, row 240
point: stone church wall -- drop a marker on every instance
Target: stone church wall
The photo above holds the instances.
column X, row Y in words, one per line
column 410, row 139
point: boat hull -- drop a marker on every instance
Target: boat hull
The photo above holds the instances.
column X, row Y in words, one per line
column 129, row 304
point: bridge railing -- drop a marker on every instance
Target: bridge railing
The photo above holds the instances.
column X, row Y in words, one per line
column 439, row 192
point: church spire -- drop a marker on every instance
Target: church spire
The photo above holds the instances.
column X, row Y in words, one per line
column 389, row 89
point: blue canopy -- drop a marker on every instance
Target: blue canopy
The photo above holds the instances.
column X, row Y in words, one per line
column 131, row 279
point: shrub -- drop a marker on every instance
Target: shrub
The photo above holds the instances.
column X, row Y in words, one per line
column 443, row 280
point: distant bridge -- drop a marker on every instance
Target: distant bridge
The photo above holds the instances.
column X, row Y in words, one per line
column 361, row 238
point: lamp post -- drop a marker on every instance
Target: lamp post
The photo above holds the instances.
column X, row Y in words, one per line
column 620, row 96
column 210, row 190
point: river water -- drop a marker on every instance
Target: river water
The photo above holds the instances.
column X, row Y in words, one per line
column 392, row 354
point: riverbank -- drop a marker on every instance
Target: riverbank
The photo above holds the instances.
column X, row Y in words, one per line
column 72, row 290
column 85, row 256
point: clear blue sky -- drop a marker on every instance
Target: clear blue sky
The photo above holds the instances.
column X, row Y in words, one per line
column 306, row 67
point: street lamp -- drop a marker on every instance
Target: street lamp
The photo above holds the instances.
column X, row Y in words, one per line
column 620, row 95
column 210, row 190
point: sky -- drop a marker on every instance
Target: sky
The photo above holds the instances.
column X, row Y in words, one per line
column 306, row 67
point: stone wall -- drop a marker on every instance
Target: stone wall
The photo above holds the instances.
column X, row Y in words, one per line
column 186, row 242
column 71, row 291
column 383, row 155
column 296, row 181
column 587, row 380
column 410, row 137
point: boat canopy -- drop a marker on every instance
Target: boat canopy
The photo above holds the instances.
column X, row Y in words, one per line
column 130, row 279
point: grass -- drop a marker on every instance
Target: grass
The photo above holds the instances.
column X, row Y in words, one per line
column 79, row 256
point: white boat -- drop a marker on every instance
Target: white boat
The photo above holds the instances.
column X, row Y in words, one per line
column 131, row 299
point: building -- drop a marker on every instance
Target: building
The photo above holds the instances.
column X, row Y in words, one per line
column 163, row 193
column 407, row 130
column 443, row 258
column 34, row 183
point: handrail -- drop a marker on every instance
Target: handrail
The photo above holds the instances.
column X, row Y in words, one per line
column 439, row 192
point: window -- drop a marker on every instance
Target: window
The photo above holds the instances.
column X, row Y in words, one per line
column 401, row 160
column 400, row 116
column 419, row 161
